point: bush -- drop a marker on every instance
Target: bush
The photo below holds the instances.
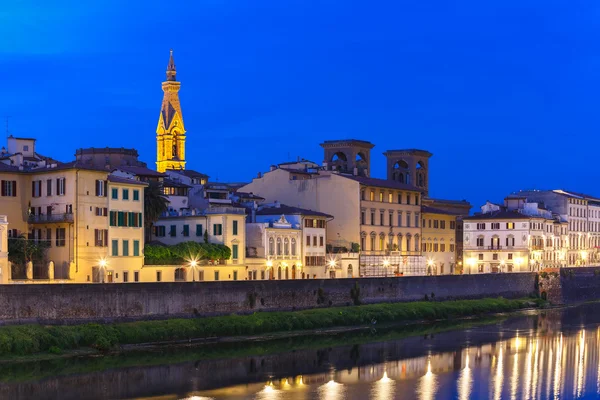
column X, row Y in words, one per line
column 181, row 252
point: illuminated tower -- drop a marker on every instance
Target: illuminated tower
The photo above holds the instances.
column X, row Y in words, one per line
column 170, row 132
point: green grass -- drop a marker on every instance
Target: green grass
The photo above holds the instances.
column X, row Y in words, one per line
column 31, row 339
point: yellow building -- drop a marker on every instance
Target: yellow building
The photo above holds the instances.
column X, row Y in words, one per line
column 439, row 241
column 170, row 132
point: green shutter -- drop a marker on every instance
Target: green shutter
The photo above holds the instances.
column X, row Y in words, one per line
column 125, row 247
column 140, row 219
column 234, row 251
column 115, row 248
column 115, row 194
column 186, row 230
column 235, row 227
column 214, row 229
column 136, row 195
column 199, row 230
column 136, row 247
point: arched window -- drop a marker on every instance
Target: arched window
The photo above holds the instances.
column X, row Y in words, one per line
column 180, row 274
column 271, row 247
column 416, row 242
column 294, row 271
column 399, row 242
column 286, row 246
column 279, row 272
column 293, row 247
column 408, row 238
column 373, row 241
column 279, row 246
column 350, row 275
column 382, row 241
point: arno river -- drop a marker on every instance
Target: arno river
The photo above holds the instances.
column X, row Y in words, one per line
column 540, row 355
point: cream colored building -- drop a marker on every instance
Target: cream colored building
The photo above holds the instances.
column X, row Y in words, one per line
column 4, row 274
column 221, row 225
column 439, row 240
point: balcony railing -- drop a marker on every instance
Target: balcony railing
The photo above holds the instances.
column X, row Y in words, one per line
column 51, row 218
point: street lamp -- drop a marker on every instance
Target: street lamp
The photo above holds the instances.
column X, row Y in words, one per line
column 502, row 262
column 430, row 265
column 193, row 264
column 269, row 266
column 102, row 263
column 470, row 263
column 584, row 256
column 518, row 261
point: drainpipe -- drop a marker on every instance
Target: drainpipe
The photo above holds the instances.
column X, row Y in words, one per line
column 75, row 253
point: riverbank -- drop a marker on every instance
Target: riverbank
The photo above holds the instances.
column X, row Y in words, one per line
column 34, row 339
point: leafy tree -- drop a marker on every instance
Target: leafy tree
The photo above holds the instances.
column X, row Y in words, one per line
column 22, row 250
column 155, row 203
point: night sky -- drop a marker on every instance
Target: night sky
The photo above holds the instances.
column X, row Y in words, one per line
column 505, row 94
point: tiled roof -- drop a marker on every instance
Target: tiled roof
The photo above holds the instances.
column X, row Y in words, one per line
column 382, row 183
column 289, row 210
column 248, row 195
column 117, row 179
column 502, row 214
column 190, row 173
column 432, row 210
column 175, row 184
column 137, row 170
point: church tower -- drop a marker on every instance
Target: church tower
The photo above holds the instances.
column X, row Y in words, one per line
column 170, row 132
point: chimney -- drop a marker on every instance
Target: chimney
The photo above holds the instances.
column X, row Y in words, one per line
column 273, row 167
column 259, row 175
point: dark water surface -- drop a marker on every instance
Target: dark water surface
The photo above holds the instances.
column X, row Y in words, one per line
column 553, row 354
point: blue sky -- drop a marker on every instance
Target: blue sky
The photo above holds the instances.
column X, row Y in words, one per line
column 504, row 93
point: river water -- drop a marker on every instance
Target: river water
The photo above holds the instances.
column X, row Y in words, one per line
column 553, row 354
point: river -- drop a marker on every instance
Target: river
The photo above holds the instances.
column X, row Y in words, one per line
column 551, row 354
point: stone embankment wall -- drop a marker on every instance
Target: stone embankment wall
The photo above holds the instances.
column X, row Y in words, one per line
column 70, row 303
column 570, row 285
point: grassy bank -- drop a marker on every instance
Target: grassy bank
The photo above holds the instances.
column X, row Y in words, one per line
column 31, row 339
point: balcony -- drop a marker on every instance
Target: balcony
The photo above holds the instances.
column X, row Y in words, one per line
column 495, row 247
column 51, row 218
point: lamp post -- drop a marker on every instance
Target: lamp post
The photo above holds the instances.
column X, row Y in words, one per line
column 518, row 261
column 430, row 266
column 102, row 263
column 331, row 265
column 269, row 267
column 470, row 263
column 193, row 264
column 502, row 262
column 584, row 256
column 386, row 264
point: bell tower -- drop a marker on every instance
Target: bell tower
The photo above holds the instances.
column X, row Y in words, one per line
column 170, row 132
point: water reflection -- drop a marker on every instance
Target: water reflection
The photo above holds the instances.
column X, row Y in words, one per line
column 551, row 356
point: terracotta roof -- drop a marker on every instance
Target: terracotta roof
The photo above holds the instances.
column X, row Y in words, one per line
column 289, row 210
column 137, row 170
column 382, row 183
column 432, row 210
column 502, row 214
column 117, row 179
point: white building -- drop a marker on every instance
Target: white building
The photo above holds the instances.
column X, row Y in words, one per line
column 514, row 237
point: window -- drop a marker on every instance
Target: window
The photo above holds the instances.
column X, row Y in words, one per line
column 481, row 226
column 381, row 243
column 36, row 188
column 201, row 275
column 9, row 188
column 390, row 197
column 321, row 240
column 49, row 187
column 442, row 247
column 136, row 276
column 391, row 218
column 408, row 220
column 480, row 257
column 235, row 275
column 381, row 220
column 510, row 256
column 408, row 199
column 436, row 224
column 510, row 225
column 136, row 248
column 234, row 251
column 199, row 230
column 381, row 197
column 372, row 195
column 416, row 199
column 136, row 195
column 101, row 187
column 217, row 229
column 372, row 243
column 495, row 257
column 417, row 220
column 216, row 275
column 495, row 225
column 435, row 247
column 115, row 194
column 125, row 194
column 125, row 276
column 101, row 211
column 480, row 241
column 442, row 224
column 362, row 218
column 293, row 247
column 101, row 237
column 186, row 230
column 452, row 248
column 399, row 198
column 308, row 240
column 115, row 247
column 480, row 268
column 400, row 218
column 60, row 186
column 159, row 231
column 235, row 227
column 173, row 231
column 125, row 247
column 452, row 224
column 362, row 194
column 48, row 236
column 60, row 237
column 314, row 241
column 158, row 276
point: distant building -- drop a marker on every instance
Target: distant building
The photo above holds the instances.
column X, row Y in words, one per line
column 438, row 245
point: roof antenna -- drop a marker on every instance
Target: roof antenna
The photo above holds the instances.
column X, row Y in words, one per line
column 6, row 118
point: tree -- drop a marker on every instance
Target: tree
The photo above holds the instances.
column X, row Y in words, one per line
column 155, row 203
column 22, row 250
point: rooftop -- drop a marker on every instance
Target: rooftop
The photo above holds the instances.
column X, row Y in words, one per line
column 117, row 179
column 382, row 183
column 433, row 210
column 283, row 209
column 141, row 171
column 501, row 214
column 190, row 173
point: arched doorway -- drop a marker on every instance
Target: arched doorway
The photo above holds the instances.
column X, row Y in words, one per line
column 294, row 271
column 303, row 275
column 350, row 275
column 286, row 273
column 279, row 272
column 271, row 274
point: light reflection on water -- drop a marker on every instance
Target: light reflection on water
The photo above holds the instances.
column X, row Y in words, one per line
column 535, row 366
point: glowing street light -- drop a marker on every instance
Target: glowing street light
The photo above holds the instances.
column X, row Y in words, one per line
column 470, row 263
column 193, row 264
column 386, row 263
column 102, row 263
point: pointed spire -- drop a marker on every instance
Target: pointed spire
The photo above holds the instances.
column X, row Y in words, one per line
column 171, row 68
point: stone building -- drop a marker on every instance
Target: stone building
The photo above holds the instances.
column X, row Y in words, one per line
column 438, row 245
column 517, row 236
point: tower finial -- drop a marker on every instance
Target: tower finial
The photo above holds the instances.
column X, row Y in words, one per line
column 171, row 68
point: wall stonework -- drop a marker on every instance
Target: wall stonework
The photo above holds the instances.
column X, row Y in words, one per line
column 135, row 301
column 571, row 285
